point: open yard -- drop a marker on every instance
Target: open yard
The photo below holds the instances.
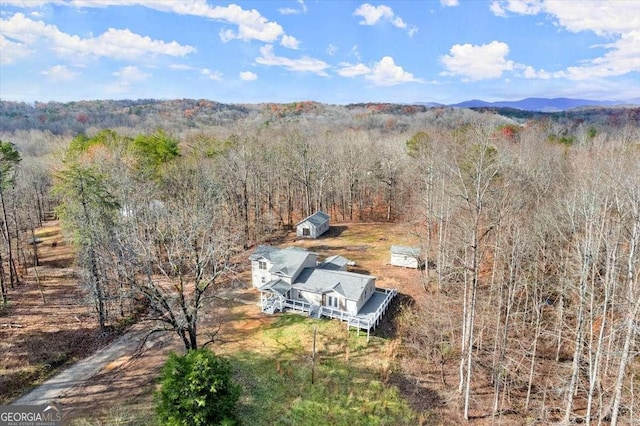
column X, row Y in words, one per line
column 355, row 382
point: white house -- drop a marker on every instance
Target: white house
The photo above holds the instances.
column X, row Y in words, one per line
column 272, row 264
column 313, row 226
column 408, row 257
column 292, row 278
column 339, row 290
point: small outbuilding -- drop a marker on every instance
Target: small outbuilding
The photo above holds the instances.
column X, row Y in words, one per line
column 408, row 257
column 313, row 226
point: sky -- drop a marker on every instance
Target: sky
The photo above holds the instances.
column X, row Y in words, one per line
column 330, row 51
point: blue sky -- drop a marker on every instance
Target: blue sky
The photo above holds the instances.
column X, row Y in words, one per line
column 323, row 50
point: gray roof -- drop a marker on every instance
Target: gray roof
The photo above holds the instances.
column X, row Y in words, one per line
column 285, row 261
column 334, row 263
column 317, row 219
column 406, row 251
column 263, row 252
column 278, row 286
column 319, row 281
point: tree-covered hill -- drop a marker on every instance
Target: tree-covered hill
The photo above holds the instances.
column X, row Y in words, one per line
column 74, row 118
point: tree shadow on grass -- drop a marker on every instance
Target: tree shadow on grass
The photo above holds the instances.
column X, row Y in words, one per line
column 388, row 327
column 35, row 356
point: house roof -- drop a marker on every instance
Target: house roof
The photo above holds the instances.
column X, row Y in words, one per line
column 319, row 281
column 406, row 251
column 334, row 263
column 317, row 219
column 279, row 286
column 285, row 261
column 262, row 252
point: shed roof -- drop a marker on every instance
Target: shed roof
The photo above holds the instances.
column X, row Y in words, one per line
column 319, row 281
column 317, row 219
column 406, row 251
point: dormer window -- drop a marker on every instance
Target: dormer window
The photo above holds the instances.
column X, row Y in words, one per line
column 262, row 265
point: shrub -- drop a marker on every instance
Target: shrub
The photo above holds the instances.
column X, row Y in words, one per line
column 197, row 389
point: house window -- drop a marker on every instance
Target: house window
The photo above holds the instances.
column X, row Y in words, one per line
column 306, row 232
column 263, row 279
column 332, row 301
column 262, row 265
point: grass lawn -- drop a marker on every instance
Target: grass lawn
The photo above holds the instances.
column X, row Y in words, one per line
column 274, row 369
column 349, row 380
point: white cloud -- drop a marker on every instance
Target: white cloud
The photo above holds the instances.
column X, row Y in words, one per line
column 126, row 44
column 449, row 3
column 355, row 51
column 181, row 67
column 12, row 52
column 331, row 49
column 478, row 62
column 127, row 77
column 293, row 11
column 352, row 70
column 604, row 18
column 383, row 73
column 248, row 76
column 130, row 75
column 212, row 75
column 387, row 73
column 249, row 24
column 531, row 73
column 617, row 20
column 117, row 44
column 303, row 64
column 60, row 73
column 371, row 15
column 522, row 7
column 623, row 57
column 289, row 41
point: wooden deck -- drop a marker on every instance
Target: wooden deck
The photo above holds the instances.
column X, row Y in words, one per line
column 367, row 318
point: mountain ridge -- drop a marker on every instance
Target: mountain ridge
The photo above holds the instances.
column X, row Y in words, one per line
column 537, row 104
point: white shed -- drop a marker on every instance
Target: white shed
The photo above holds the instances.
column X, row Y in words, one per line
column 313, row 226
column 408, row 257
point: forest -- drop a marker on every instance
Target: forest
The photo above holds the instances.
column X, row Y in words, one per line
column 530, row 224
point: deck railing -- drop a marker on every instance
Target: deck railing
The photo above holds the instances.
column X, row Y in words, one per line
column 271, row 304
column 329, row 312
column 390, row 294
column 298, row 305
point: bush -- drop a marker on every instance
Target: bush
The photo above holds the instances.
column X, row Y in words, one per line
column 197, row 389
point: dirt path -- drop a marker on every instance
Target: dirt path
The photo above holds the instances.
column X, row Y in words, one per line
column 127, row 345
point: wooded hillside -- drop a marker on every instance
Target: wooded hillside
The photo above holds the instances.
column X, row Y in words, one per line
column 530, row 225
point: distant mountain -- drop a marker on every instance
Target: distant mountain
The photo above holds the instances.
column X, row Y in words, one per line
column 540, row 104
column 431, row 104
